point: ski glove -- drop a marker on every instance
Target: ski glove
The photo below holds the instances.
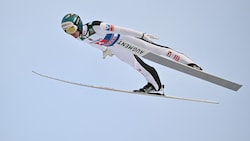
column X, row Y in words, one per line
column 106, row 53
column 148, row 37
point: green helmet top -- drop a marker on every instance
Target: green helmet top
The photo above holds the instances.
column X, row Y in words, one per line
column 70, row 20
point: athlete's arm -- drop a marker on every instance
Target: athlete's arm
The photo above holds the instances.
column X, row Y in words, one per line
column 120, row 30
column 126, row 31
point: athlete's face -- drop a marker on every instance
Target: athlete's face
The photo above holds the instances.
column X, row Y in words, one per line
column 76, row 34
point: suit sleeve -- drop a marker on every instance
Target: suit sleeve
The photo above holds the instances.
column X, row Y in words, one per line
column 120, row 30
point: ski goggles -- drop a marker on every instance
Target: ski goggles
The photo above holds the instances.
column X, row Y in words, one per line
column 69, row 27
column 71, row 30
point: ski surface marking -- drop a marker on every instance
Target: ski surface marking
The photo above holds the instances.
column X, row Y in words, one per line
column 125, row 91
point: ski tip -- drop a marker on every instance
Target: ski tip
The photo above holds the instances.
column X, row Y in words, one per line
column 36, row 72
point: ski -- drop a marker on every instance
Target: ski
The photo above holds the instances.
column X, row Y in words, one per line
column 125, row 91
column 178, row 66
column 193, row 72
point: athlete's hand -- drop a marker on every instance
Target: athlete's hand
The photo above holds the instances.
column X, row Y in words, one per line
column 148, row 37
column 106, row 53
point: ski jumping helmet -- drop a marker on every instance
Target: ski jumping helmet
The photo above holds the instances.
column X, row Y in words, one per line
column 71, row 23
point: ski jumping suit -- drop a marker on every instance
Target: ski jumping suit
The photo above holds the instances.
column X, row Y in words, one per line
column 106, row 36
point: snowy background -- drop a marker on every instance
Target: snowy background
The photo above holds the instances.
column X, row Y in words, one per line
column 214, row 33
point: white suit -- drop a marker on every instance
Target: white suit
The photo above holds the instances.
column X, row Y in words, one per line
column 109, row 38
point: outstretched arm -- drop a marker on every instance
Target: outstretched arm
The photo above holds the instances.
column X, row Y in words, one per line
column 126, row 31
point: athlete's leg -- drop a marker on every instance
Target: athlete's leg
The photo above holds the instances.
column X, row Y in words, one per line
column 160, row 50
column 147, row 71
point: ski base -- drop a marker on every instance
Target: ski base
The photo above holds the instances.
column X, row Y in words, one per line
column 126, row 91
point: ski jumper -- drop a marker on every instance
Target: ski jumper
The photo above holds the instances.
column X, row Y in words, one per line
column 108, row 37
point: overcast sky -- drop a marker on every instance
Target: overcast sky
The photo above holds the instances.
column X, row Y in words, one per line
column 213, row 33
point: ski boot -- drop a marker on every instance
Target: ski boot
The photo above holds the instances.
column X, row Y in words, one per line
column 194, row 66
column 149, row 89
